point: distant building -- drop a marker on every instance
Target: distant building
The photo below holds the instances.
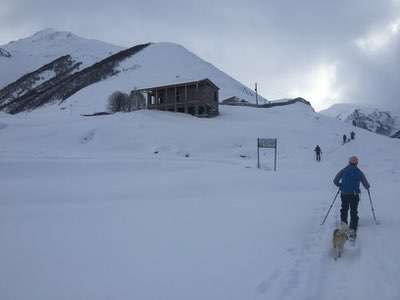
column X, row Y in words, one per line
column 198, row 98
column 234, row 101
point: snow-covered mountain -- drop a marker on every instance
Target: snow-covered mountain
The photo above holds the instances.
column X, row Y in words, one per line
column 47, row 75
column 157, row 64
column 61, row 86
column 376, row 120
column 26, row 55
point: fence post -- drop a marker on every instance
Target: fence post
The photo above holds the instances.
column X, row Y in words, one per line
column 258, row 153
column 276, row 146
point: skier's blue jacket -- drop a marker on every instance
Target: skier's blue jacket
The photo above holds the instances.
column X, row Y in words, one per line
column 349, row 178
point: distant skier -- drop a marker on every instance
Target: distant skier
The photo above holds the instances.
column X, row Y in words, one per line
column 318, row 152
column 352, row 135
column 344, row 139
column 348, row 180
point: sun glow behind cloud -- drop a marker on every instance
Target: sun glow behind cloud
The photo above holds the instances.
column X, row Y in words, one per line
column 320, row 86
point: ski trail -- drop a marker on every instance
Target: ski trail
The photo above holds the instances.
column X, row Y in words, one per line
column 314, row 274
column 294, row 281
column 347, row 278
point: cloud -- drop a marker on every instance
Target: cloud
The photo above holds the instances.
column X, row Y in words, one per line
column 376, row 41
column 372, row 69
column 320, row 82
column 327, row 51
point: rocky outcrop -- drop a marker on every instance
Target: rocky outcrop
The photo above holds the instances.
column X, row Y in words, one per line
column 396, row 135
column 50, row 74
column 381, row 122
column 4, row 53
column 58, row 90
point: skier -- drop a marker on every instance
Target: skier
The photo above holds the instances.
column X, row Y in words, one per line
column 344, row 139
column 348, row 180
column 352, row 135
column 318, row 152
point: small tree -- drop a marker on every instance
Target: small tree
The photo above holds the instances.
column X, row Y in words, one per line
column 118, row 102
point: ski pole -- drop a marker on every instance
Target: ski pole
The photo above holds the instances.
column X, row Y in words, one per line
column 372, row 207
column 330, row 207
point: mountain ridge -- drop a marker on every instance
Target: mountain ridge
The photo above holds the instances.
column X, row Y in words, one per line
column 28, row 54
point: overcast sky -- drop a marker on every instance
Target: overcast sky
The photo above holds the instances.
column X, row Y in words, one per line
column 325, row 51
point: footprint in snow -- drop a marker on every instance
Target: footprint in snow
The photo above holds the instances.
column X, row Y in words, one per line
column 88, row 136
column 265, row 285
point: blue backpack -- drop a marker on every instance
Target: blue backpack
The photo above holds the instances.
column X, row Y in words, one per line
column 350, row 180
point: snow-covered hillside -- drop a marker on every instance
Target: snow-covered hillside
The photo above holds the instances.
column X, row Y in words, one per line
column 158, row 205
column 28, row 54
column 48, row 75
column 158, row 64
column 378, row 120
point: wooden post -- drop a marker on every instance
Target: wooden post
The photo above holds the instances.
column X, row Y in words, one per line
column 156, row 100
column 186, row 100
column 176, row 94
column 276, row 146
column 166, row 98
column 217, row 102
column 258, row 153
column 256, row 94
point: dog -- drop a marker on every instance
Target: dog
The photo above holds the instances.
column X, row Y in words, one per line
column 340, row 236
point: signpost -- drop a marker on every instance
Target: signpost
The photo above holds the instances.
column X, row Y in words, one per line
column 255, row 88
column 266, row 143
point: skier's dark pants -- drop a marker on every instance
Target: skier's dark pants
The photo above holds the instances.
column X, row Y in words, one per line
column 350, row 201
column 318, row 156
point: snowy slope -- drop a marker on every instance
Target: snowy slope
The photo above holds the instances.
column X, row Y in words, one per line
column 35, row 82
column 378, row 120
column 66, row 84
column 28, row 54
column 340, row 111
column 157, row 205
column 158, row 64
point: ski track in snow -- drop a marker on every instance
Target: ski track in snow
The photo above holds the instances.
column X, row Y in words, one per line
column 298, row 279
column 315, row 275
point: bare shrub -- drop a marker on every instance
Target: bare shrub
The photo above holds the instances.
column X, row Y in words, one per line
column 121, row 102
column 118, row 101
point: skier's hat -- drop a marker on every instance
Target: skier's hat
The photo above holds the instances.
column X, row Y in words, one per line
column 353, row 160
